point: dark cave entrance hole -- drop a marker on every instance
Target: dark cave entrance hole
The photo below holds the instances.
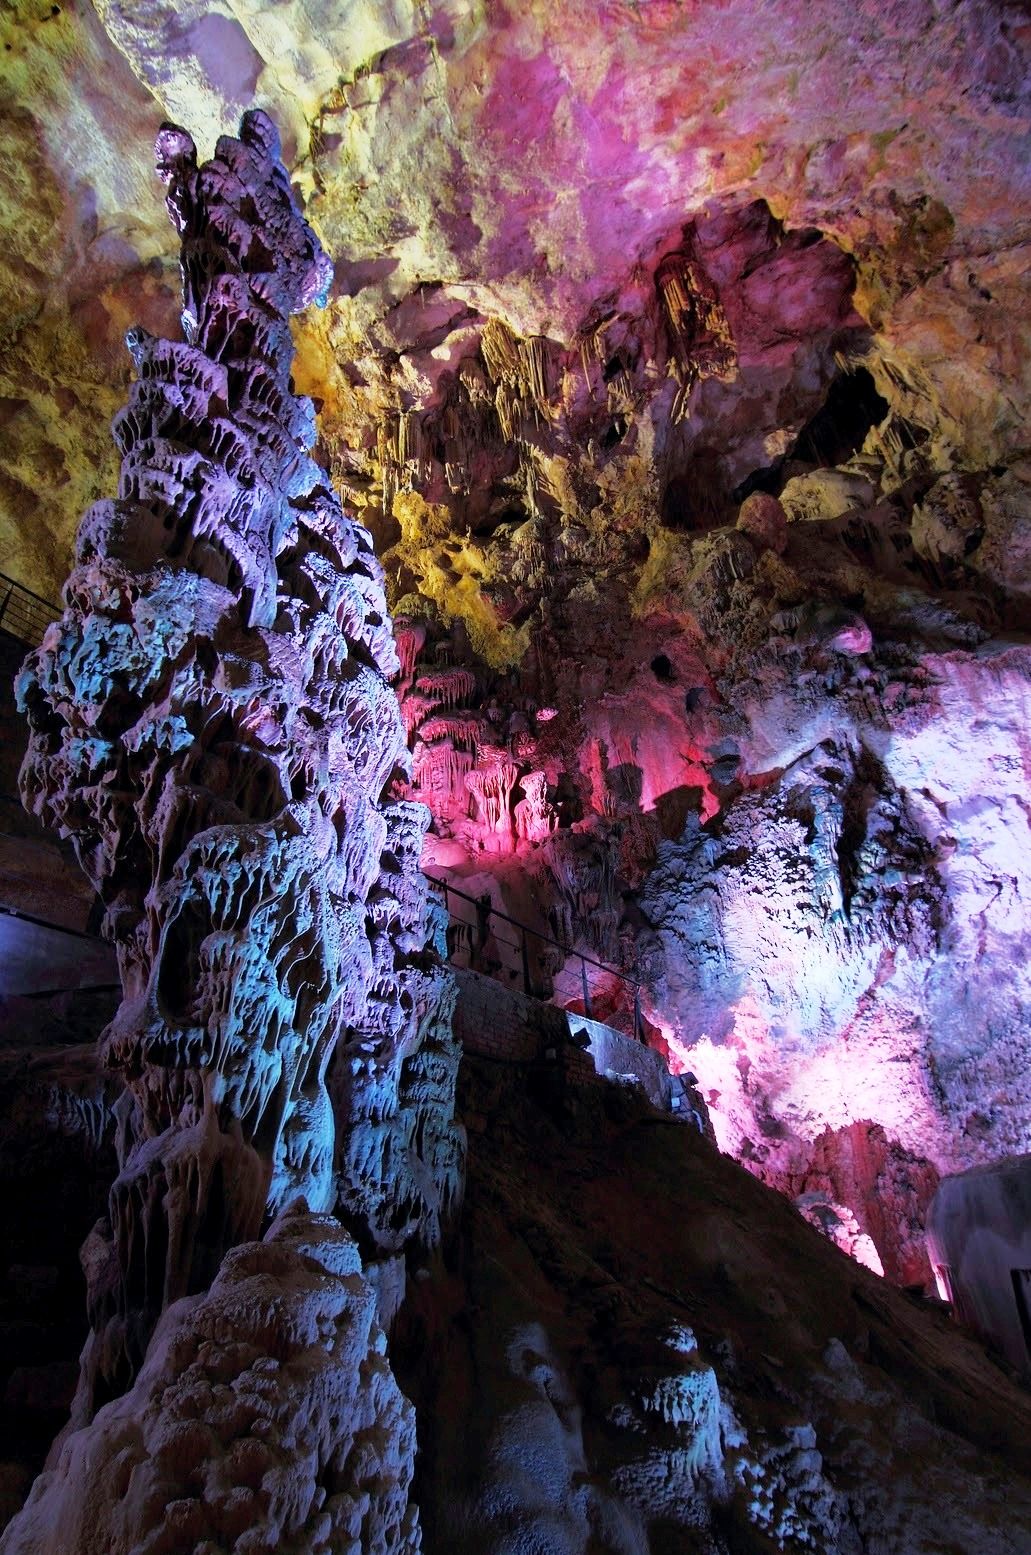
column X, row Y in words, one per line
column 839, row 428
column 836, row 432
column 691, row 504
column 616, row 432
column 484, row 529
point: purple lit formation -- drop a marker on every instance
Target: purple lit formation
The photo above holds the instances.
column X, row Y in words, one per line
column 213, row 725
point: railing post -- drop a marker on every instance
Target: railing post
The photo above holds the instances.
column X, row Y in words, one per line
column 527, row 989
column 483, row 917
column 586, row 989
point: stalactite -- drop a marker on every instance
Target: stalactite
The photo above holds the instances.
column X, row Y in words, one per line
column 702, row 345
column 500, row 349
column 586, row 906
column 535, row 370
column 415, row 707
column 535, row 818
column 410, row 637
column 465, row 427
column 509, row 409
column 491, row 785
column 439, row 770
column 521, row 371
column 412, row 453
column 448, row 687
column 466, row 728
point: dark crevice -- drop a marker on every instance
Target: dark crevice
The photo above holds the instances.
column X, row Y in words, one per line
column 688, row 505
column 839, row 428
column 832, row 436
column 616, row 432
column 770, row 479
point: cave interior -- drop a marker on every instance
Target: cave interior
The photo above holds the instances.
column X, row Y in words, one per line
column 515, row 848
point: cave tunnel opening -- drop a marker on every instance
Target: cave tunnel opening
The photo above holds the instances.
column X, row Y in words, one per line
column 831, row 437
column 839, row 428
column 485, row 528
column 693, row 503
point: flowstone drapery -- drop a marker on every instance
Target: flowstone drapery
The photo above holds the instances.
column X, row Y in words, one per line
column 265, row 1419
column 213, row 725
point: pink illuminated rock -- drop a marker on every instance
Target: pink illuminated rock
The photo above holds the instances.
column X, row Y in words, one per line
column 763, row 519
column 535, row 818
column 491, row 788
column 840, row 1225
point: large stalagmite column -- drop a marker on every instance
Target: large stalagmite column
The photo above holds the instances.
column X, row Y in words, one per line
column 212, row 723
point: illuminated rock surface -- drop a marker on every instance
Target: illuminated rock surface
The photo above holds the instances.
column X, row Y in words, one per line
column 529, row 165
column 675, row 358
column 213, row 727
column 604, row 278
column 265, row 1418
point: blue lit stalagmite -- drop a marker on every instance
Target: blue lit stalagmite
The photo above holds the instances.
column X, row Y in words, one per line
column 213, row 725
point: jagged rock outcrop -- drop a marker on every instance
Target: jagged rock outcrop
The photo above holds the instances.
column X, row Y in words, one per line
column 669, row 1359
column 265, row 1418
column 400, row 1153
column 826, row 956
column 213, row 725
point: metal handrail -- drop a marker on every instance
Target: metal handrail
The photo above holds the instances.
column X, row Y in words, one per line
column 48, row 923
column 485, row 911
column 23, row 614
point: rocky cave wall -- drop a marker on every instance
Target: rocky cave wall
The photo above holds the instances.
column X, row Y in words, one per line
column 641, row 1350
column 678, row 368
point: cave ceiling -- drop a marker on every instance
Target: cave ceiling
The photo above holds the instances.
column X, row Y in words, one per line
column 531, row 167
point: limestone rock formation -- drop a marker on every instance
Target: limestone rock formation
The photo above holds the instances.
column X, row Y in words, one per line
column 675, row 362
column 400, row 1153
column 674, row 1361
column 265, row 1418
column 212, row 724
